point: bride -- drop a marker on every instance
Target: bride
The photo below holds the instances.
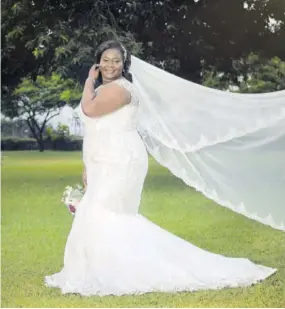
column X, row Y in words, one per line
column 111, row 248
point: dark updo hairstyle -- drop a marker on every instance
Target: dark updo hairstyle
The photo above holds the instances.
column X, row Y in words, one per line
column 126, row 56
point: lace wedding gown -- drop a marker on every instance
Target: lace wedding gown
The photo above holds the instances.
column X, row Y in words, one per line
column 111, row 248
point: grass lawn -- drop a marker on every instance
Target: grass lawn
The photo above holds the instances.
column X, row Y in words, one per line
column 35, row 225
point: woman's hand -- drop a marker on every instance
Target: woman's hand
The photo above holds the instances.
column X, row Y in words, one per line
column 84, row 178
column 94, row 71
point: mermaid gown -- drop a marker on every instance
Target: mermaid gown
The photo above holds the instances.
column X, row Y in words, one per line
column 112, row 249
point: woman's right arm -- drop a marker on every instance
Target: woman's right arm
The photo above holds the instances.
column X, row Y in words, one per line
column 110, row 98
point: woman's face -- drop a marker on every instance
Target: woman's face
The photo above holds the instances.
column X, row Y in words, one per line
column 111, row 64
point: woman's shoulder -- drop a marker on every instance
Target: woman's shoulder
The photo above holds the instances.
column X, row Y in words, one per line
column 123, row 82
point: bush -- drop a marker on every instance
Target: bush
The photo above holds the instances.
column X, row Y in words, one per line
column 64, row 143
column 58, row 143
column 14, row 143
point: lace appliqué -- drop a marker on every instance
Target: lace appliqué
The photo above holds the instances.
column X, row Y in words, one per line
column 130, row 88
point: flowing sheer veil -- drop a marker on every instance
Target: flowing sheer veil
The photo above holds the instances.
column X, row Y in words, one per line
column 229, row 146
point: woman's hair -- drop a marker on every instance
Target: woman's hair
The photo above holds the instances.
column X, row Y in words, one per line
column 126, row 56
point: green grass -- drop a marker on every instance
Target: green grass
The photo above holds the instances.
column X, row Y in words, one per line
column 35, row 226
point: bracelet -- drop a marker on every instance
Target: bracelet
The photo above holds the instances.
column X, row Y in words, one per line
column 92, row 79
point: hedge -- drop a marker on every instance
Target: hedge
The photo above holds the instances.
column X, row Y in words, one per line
column 63, row 144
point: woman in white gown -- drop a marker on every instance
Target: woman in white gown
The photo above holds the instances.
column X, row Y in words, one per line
column 111, row 248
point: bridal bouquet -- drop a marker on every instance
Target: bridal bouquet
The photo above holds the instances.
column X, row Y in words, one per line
column 71, row 197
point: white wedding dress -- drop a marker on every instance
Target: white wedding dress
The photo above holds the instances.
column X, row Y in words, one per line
column 111, row 248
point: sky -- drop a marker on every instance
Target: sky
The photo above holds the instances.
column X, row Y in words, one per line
column 66, row 116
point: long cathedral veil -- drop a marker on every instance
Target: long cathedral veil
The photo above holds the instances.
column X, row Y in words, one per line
column 229, row 146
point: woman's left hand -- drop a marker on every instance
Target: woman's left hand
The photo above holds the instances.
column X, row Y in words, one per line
column 84, row 178
column 94, row 71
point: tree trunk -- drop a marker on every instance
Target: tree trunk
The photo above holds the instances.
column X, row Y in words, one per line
column 41, row 144
column 37, row 133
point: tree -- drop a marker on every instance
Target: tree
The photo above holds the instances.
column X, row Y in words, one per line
column 38, row 102
column 260, row 75
column 215, row 32
column 254, row 74
column 39, row 37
